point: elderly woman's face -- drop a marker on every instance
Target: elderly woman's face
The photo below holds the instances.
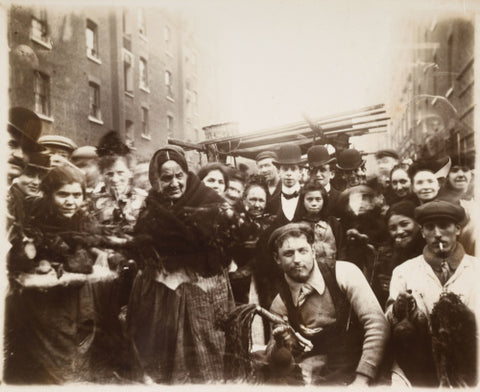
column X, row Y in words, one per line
column 117, row 177
column 215, row 180
column 402, row 230
column 68, row 199
column 172, row 180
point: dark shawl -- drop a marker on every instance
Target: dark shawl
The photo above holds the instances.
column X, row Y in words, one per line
column 183, row 233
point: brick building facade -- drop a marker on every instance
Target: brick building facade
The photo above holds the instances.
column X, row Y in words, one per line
column 85, row 71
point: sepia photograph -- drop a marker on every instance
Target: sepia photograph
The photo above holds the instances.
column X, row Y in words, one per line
column 240, row 193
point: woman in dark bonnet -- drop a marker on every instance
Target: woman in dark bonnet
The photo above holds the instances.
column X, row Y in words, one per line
column 183, row 285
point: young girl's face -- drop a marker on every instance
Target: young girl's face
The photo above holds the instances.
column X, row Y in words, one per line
column 313, row 202
column 68, row 199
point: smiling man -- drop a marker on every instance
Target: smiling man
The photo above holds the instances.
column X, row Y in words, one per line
column 333, row 307
column 443, row 266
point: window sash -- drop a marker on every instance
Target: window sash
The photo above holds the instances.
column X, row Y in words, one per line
column 92, row 40
column 145, row 122
column 94, row 98
column 42, row 93
column 143, row 73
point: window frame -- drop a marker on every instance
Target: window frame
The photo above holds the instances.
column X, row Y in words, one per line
column 43, row 38
column 94, row 102
column 145, row 117
column 93, row 52
column 143, row 73
column 41, row 93
column 128, row 79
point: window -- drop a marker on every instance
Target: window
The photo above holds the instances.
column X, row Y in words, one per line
column 39, row 29
column 142, row 25
column 129, row 134
column 143, row 73
column 94, row 101
column 169, row 126
column 145, row 126
column 128, row 71
column 42, row 93
column 168, row 83
column 92, row 39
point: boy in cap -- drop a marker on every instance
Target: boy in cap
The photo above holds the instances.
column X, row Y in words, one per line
column 86, row 159
column 385, row 160
column 60, row 148
column 334, row 308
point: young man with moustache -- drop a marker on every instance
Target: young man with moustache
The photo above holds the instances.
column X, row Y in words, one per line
column 443, row 266
column 418, row 283
column 333, row 307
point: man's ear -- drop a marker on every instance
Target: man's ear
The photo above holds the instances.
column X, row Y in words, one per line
column 275, row 257
column 421, row 231
column 458, row 229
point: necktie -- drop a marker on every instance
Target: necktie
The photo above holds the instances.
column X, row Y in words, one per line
column 445, row 273
column 291, row 195
column 305, row 291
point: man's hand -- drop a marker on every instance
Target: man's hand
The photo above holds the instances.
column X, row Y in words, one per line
column 404, row 305
column 283, row 337
column 360, row 380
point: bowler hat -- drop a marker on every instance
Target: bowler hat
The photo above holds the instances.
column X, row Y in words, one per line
column 38, row 161
column 386, row 153
column 265, row 155
column 318, row 156
column 26, row 126
column 464, row 160
column 84, row 152
column 58, row 141
column 349, row 159
column 439, row 209
column 296, row 227
column 289, row 154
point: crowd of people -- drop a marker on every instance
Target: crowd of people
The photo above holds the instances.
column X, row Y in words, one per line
column 123, row 271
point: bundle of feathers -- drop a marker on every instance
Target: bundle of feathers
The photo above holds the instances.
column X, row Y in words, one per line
column 454, row 342
column 411, row 342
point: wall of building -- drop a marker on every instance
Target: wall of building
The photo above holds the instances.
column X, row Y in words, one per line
column 432, row 103
column 64, row 59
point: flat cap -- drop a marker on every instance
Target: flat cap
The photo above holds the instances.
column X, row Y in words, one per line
column 301, row 227
column 386, row 153
column 84, row 152
column 439, row 209
column 265, row 155
column 58, row 141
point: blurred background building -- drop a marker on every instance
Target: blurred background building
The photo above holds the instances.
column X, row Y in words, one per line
column 141, row 71
column 432, row 94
